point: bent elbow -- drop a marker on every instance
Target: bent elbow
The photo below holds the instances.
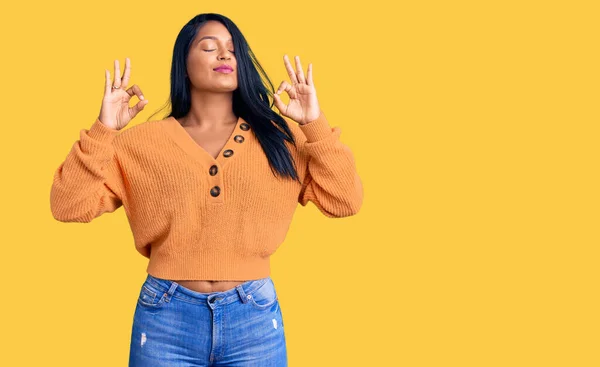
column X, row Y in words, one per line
column 66, row 211
column 67, row 216
column 345, row 208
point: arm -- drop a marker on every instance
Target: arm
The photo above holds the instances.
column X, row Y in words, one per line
column 331, row 181
column 88, row 183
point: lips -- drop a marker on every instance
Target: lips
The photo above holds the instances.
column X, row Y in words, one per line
column 224, row 68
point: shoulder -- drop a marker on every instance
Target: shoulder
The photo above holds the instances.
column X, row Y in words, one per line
column 298, row 148
column 143, row 129
column 298, row 134
column 315, row 131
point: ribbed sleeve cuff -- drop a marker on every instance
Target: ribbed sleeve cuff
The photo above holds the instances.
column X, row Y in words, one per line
column 99, row 131
column 316, row 130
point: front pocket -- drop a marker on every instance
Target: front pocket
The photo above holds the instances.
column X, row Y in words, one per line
column 150, row 298
column 263, row 297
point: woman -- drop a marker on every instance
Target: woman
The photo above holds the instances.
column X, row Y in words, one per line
column 209, row 192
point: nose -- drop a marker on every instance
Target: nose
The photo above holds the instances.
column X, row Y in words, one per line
column 224, row 54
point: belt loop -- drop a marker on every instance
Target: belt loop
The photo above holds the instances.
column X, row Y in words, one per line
column 240, row 290
column 171, row 290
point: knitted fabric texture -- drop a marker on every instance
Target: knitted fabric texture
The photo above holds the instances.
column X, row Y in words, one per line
column 196, row 217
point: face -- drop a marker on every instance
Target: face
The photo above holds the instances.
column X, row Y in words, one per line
column 211, row 48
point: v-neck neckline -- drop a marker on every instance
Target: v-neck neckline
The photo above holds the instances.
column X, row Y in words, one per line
column 234, row 145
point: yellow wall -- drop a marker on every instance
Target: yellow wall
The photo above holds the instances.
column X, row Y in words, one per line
column 474, row 127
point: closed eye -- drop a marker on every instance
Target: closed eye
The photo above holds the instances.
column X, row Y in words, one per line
column 215, row 49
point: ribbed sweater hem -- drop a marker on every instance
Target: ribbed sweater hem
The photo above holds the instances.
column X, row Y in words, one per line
column 199, row 267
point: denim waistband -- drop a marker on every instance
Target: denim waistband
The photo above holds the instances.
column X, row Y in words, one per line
column 239, row 292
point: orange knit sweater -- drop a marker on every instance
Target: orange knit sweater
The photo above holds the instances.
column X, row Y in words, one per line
column 196, row 217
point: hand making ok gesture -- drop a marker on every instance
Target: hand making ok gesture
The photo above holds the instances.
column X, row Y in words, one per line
column 115, row 111
column 303, row 106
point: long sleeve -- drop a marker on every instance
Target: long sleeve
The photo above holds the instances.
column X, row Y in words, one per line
column 88, row 183
column 331, row 182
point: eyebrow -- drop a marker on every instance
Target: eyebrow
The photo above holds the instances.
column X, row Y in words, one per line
column 212, row 37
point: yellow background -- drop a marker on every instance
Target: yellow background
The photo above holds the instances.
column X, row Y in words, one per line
column 475, row 130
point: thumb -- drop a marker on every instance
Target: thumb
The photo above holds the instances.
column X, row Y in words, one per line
column 278, row 103
column 138, row 107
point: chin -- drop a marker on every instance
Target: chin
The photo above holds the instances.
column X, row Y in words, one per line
column 217, row 87
column 227, row 87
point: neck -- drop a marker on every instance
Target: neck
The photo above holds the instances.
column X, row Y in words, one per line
column 210, row 109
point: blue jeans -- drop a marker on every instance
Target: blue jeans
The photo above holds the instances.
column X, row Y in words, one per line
column 174, row 326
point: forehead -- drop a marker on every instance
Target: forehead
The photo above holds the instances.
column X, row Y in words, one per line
column 213, row 30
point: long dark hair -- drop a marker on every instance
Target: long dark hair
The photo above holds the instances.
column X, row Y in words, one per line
column 250, row 99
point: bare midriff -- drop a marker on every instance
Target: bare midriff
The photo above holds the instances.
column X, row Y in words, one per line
column 209, row 286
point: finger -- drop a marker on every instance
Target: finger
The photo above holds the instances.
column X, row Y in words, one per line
column 107, row 87
column 291, row 91
column 287, row 87
column 310, row 76
column 281, row 87
column 127, row 73
column 278, row 103
column 117, row 81
column 135, row 90
column 133, row 111
column 299, row 71
column 289, row 69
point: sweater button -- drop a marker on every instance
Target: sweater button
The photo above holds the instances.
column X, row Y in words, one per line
column 213, row 170
column 238, row 139
column 244, row 126
column 228, row 153
column 215, row 191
